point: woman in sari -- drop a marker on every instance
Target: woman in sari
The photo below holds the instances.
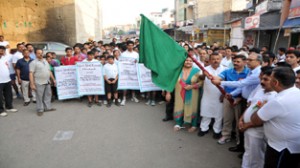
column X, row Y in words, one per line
column 186, row 97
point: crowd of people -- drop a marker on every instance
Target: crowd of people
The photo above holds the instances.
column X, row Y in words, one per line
column 247, row 95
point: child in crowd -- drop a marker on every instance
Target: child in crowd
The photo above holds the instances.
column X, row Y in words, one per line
column 102, row 59
column 91, row 58
column 111, row 78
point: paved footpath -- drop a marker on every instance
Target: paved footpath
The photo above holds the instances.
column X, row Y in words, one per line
column 76, row 136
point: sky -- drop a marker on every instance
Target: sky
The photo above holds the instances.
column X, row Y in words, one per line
column 120, row 12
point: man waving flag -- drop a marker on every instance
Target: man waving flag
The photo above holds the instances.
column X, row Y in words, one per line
column 161, row 54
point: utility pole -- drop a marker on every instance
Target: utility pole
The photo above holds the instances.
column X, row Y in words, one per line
column 175, row 18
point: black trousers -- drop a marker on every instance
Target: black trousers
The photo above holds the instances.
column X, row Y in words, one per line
column 282, row 159
column 6, row 92
column 241, row 134
column 170, row 107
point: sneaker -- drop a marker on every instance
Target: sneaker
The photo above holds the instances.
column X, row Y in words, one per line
column 202, row 133
column 123, row 102
column 19, row 96
column 99, row 104
column 223, row 140
column 153, row 103
column 117, row 103
column 39, row 113
column 11, row 110
column 14, row 97
column 3, row 114
column 49, row 110
column 109, row 104
column 90, row 104
column 161, row 102
column 105, row 102
column 217, row 135
column 148, row 102
column 135, row 99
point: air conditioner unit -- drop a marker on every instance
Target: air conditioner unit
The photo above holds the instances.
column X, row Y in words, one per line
column 204, row 26
column 217, row 25
column 191, row 4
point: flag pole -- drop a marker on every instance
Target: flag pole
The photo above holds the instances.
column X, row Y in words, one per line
column 205, row 72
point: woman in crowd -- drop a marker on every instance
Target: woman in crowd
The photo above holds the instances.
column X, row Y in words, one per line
column 186, row 97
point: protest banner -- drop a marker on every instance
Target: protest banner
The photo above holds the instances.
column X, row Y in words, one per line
column 66, row 82
column 90, row 79
column 128, row 78
column 145, row 79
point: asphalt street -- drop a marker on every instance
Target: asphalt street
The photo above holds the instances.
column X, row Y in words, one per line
column 132, row 136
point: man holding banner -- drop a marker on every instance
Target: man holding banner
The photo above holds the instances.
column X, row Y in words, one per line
column 129, row 54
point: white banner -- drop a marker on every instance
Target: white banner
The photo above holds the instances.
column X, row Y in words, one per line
column 252, row 22
column 145, row 79
column 66, row 82
column 128, row 77
column 90, row 78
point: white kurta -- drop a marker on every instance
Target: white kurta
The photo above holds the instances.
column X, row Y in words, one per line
column 210, row 105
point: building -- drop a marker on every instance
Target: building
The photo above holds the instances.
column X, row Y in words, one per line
column 262, row 27
column 66, row 21
column 202, row 21
column 290, row 21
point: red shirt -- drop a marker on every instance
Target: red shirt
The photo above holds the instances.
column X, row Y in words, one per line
column 67, row 61
column 79, row 58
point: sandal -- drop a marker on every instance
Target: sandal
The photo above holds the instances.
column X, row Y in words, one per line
column 192, row 129
column 177, row 128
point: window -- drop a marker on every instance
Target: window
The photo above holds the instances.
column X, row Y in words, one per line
column 57, row 47
column 42, row 46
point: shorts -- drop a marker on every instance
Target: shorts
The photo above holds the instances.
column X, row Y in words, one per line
column 111, row 88
column 12, row 77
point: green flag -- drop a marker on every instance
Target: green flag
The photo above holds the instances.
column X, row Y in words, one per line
column 161, row 54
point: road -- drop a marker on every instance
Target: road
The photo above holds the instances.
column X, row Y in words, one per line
column 132, row 136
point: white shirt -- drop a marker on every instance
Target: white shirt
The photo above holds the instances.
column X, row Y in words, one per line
column 93, row 60
column 110, row 70
column 281, row 58
column 225, row 62
column 296, row 69
column 18, row 55
column 210, row 105
column 258, row 94
column 282, row 120
column 4, row 70
column 132, row 54
column 9, row 58
column 4, row 43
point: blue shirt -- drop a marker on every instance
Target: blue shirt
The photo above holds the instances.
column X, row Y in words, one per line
column 232, row 75
column 245, row 86
column 23, row 66
column 32, row 55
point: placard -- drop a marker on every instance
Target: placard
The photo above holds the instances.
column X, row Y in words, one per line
column 128, row 78
column 66, row 82
column 90, row 79
column 145, row 79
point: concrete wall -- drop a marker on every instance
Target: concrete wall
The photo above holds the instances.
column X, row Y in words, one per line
column 88, row 20
column 210, row 12
column 66, row 21
column 37, row 20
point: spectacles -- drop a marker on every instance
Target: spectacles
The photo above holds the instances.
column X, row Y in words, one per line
column 251, row 59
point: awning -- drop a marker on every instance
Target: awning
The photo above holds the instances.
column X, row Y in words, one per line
column 290, row 23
